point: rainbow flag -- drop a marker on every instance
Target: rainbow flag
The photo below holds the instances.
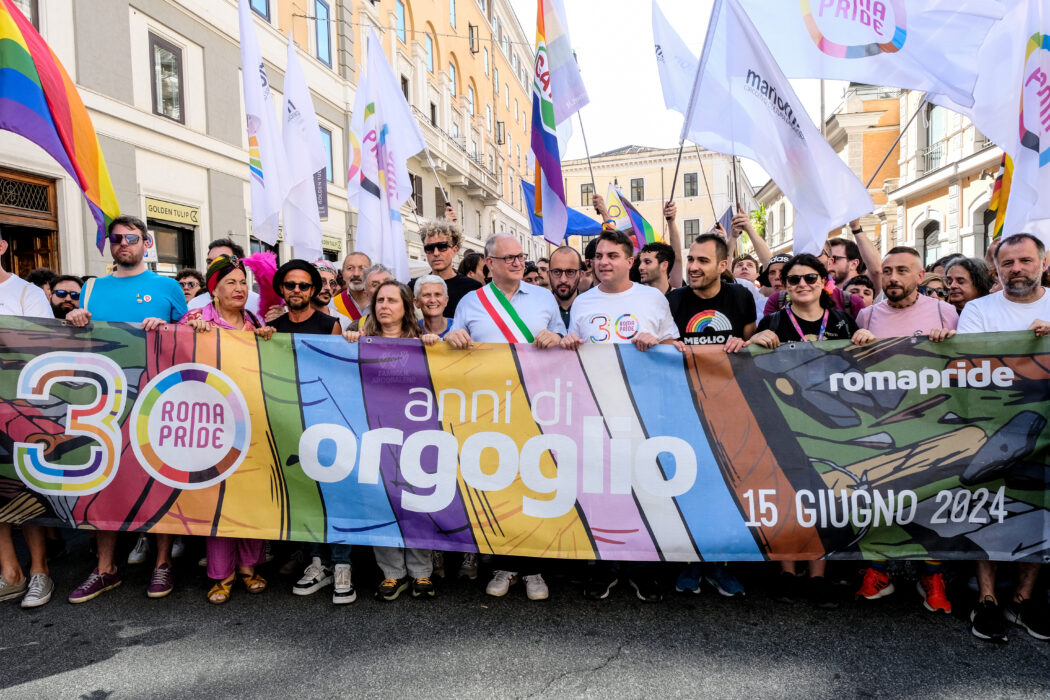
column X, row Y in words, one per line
column 40, row 102
column 643, row 231
column 1001, row 194
column 557, row 94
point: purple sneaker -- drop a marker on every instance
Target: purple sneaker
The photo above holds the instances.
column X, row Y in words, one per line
column 95, row 585
column 162, row 583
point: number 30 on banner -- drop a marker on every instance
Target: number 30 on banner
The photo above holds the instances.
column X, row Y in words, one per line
column 99, row 420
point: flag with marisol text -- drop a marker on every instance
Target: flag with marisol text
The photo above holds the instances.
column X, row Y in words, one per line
column 743, row 105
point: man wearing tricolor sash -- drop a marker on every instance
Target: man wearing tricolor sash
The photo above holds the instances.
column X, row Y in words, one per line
column 508, row 310
column 350, row 304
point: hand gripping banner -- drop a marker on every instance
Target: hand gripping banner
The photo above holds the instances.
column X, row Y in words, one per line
column 901, row 449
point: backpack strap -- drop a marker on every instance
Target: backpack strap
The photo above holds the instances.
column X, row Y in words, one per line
column 85, row 293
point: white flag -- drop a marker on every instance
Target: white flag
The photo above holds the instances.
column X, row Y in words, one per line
column 928, row 45
column 306, row 155
column 383, row 135
column 265, row 153
column 1012, row 108
column 674, row 60
column 743, row 105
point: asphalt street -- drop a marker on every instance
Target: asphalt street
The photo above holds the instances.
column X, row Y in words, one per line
column 465, row 644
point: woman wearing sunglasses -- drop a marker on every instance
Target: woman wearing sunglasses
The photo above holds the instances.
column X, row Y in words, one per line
column 229, row 558
column 809, row 316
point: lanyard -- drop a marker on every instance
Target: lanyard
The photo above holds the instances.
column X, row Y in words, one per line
column 798, row 329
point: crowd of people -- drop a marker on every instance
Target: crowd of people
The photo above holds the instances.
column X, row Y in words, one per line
column 611, row 293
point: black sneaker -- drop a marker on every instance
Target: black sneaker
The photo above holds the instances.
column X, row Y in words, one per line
column 391, row 588
column 1032, row 615
column 599, row 585
column 787, row 587
column 422, row 588
column 988, row 622
column 646, row 588
column 822, row 593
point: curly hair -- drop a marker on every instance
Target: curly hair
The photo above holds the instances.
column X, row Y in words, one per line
column 440, row 227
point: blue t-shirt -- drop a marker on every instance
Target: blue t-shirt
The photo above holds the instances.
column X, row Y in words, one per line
column 134, row 299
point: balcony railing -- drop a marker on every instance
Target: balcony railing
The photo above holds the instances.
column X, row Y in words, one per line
column 932, row 157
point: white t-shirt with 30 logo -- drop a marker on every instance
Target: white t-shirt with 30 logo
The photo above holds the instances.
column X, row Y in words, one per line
column 600, row 317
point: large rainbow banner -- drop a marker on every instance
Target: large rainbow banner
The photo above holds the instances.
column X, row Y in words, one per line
column 901, row 449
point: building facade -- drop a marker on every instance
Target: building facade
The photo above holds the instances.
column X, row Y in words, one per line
column 646, row 177
column 161, row 80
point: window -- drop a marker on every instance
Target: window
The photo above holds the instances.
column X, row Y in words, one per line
column 452, row 13
column 261, row 8
column 586, row 194
column 417, row 193
column 175, row 249
column 470, row 99
column 399, row 12
column 488, row 118
column 485, row 55
column 689, row 185
column 931, row 241
column 31, row 11
column 404, row 88
column 496, row 71
column 477, row 223
column 506, row 95
column 322, row 32
column 433, row 114
column 166, row 74
column 692, row 228
column 455, row 129
column 326, row 140
column 516, row 111
column 637, row 189
column 783, row 215
column 430, row 53
column 474, row 149
column 452, row 78
column 483, row 4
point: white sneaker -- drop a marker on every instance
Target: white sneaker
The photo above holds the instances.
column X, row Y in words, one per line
column 138, row 554
column 469, row 567
column 536, row 587
column 40, row 589
column 344, row 588
column 315, row 577
column 501, row 583
column 178, row 547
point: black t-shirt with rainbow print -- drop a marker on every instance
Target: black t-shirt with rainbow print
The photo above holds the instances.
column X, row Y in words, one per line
column 711, row 321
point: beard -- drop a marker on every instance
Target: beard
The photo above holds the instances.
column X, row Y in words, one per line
column 564, row 292
column 1021, row 286
column 356, row 285
column 897, row 293
column 297, row 303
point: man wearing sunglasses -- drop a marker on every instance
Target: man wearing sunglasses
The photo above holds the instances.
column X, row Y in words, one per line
column 297, row 282
column 65, row 294
column 441, row 240
column 130, row 294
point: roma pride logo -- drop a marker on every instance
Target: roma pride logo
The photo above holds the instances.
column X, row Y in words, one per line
column 190, row 427
column 1035, row 98
column 856, row 28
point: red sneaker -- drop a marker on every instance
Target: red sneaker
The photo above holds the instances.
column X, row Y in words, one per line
column 931, row 588
column 876, row 584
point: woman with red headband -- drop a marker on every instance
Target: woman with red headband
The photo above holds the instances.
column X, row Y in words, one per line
column 229, row 558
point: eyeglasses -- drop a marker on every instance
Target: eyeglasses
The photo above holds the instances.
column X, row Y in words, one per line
column 189, row 284
column 810, row 277
column 63, row 293
column 292, row 286
column 509, row 259
column 328, row 283
column 440, row 245
column 555, row 272
column 129, row 238
column 833, row 258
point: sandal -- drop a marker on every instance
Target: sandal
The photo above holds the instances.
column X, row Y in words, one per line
column 253, row 582
column 220, row 592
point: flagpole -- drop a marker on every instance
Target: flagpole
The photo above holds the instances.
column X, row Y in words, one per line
column 587, row 152
column 898, row 140
column 426, row 149
column 710, row 199
column 716, row 6
column 736, row 190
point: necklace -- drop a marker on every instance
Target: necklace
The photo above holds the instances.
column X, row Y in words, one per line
column 903, row 306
